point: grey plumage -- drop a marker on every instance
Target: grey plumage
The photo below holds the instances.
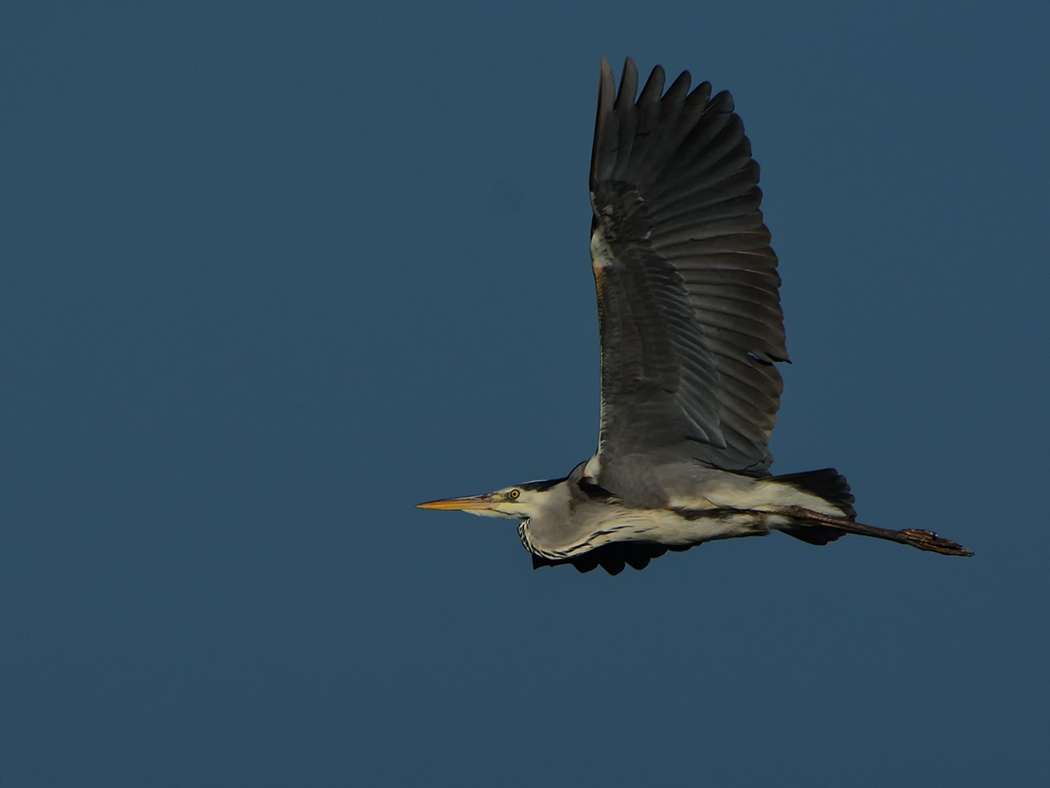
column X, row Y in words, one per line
column 687, row 285
column 691, row 328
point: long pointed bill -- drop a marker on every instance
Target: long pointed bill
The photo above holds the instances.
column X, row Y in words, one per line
column 468, row 503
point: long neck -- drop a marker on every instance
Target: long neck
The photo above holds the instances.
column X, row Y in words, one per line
column 561, row 520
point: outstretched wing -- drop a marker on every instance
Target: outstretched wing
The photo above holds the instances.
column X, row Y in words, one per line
column 687, row 284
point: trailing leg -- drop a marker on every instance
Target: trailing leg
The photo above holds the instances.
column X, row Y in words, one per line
column 916, row 537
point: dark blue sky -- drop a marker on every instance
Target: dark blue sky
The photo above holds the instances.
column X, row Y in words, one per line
column 272, row 274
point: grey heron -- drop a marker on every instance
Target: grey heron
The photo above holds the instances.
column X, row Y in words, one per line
column 691, row 331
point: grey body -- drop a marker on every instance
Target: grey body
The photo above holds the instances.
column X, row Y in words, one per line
column 668, row 506
column 683, row 506
column 691, row 330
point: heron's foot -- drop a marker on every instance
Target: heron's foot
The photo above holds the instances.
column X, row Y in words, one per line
column 928, row 540
column 916, row 537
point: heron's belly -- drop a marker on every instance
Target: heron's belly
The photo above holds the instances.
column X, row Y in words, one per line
column 649, row 525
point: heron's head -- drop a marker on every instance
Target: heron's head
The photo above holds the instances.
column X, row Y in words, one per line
column 521, row 502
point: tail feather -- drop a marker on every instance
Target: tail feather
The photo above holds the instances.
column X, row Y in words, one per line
column 830, row 485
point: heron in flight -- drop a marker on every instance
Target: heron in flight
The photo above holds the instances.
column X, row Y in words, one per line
column 691, row 331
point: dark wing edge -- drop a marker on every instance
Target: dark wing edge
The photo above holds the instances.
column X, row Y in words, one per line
column 612, row 557
column 687, row 285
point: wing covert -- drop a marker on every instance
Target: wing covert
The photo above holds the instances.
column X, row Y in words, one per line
column 687, row 285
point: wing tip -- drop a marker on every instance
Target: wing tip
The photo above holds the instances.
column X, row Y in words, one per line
column 606, row 103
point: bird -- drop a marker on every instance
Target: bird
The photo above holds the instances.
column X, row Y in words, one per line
column 691, row 332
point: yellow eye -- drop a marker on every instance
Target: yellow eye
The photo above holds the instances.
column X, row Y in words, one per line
column 514, row 495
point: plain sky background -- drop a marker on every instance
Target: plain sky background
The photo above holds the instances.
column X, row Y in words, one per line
column 271, row 274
